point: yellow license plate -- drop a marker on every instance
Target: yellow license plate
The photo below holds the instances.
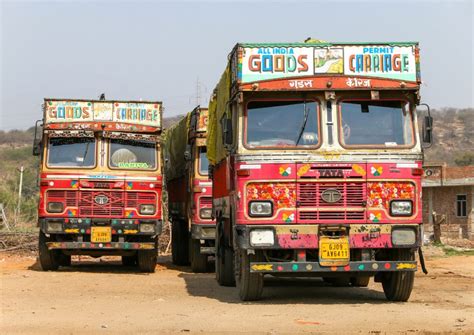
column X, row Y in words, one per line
column 333, row 251
column 101, row 234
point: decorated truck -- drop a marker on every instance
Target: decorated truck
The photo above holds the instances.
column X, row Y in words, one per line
column 189, row 191
column 100, row 181
column 316, row 162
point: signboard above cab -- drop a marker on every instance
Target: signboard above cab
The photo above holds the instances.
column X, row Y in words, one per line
column 104, row 112
column 263, row 62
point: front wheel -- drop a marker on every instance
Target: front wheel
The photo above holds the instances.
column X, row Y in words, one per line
column 49, row 259
column 224, row 261
column 250, row 285
column 360, row 281
column 198, row 260
column 397, row 286
column 147, row 260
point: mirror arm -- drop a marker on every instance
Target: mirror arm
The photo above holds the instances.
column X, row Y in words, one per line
column 427, row 107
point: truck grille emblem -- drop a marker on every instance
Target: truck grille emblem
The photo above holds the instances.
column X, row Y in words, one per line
column 101, row 199
column 331, row 195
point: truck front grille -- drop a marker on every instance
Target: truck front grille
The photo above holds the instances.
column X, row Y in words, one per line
column 89, row 207
column 350, row 206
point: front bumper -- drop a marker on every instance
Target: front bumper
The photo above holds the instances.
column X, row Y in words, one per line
column 81, row 226
column 102, row 246
column 301, row 236
column 315, row 267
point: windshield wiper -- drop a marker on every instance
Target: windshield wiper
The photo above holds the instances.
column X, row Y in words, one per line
column 303, row 126
column 85, row 153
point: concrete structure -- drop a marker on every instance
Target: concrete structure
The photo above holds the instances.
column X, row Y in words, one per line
column 448, row 192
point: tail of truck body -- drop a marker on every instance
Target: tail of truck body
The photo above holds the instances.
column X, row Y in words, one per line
column 316, row 164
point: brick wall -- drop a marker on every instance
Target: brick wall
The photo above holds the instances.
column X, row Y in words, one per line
column 444, row 204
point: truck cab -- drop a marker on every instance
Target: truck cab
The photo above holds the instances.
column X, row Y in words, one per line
column 316, row 164
column 100, row 181
column 190, row 191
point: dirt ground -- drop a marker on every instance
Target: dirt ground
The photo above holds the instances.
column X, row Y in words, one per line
column 103, row 297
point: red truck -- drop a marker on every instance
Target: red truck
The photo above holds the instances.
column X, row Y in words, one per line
column 316, row 163
column 100, row 181
column 189, row 191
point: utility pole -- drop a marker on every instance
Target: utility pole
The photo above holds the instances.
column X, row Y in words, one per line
column 18, row 209
column 198, row 92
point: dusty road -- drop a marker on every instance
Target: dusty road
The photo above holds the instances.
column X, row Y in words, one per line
column 105, row 298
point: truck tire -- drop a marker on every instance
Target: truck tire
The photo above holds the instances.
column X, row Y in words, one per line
column 147, row 260
column 198, row 260
column 129, row 260
column 224, row 260
column 63, row 259
column 49, row 259
column 397, row 286
column 179, row 243
column 250, row 285
column 360, row 281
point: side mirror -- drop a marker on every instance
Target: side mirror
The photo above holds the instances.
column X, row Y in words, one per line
column 37, row 142
column 428, row 130
column 187, row 153
column 37, row 147
column 227, row 131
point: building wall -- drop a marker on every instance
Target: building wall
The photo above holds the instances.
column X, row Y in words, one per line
column 443, row 202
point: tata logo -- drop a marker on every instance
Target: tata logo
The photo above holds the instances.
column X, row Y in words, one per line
column 101, row 199
column 328, row 173
column 331, row 195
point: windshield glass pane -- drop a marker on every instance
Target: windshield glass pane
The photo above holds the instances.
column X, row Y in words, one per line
column 203, row 161
column 132, row 154
column 71, row 152
column 386, row 123
column 282, row 124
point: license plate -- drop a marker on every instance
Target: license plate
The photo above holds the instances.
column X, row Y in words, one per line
column 101, row 234
column 334, row 251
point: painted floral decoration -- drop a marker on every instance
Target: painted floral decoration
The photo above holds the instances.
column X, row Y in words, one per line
column 380, row 194
column 282, row 194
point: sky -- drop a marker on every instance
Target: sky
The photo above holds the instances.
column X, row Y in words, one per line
column 175, row 52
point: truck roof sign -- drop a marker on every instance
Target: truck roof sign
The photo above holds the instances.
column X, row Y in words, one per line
column 78, row 111
column 398, row 61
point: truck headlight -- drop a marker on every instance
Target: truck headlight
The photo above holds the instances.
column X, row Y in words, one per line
column 55, row 207
column 54, row 227
column 147, row 209
column 262, row 237
column 403, row 236
column 147, row 228
column 261, row 208
column 401, row 208
column 205, row 213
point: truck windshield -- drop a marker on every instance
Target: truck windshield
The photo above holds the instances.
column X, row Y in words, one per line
column 132, row 154
column 71, row 152
column 203, row 161
column 368, row 123
column 282, row 124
